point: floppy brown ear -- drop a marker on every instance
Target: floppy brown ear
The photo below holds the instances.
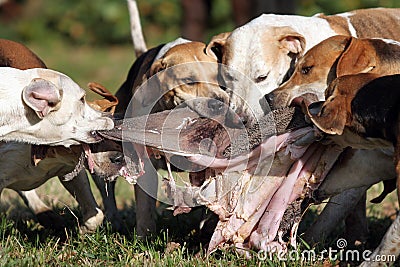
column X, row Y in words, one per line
column 291, row 40
column 357, row 58
column 329, row 116
column 108, row 103
column 337, row 44
column 215, row 47
column 42, row 96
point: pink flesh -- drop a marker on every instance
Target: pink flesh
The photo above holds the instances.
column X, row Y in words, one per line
column 245, row 217
column 306, row 173
column 272, row 200
column 238, row 226
column 269, row 223
column 89, row 157
column 240, row 163
column 226, row 229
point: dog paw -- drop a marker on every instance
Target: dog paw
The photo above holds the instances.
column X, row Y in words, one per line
column 51, row 220
column 91, row 224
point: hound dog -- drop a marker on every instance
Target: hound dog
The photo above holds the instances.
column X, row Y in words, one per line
column 36, row 100
column 179, row 72
column 333, row 57
column 260, row 55
column 26, row 166
column 362, row 111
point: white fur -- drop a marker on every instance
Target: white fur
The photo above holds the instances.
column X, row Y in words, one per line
column 168, row 46
column 347, row 16
column 20, row 174
column 255, row 54
column 70, row 123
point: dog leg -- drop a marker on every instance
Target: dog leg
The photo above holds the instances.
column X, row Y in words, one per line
column 107, row 191
column 79, row 188
column 335, row 211
column 145, row 194
column 45, row 215
column 356, row 232
column 389, row 247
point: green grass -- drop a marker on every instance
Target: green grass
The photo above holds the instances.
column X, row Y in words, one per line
column 105, row 248
column 25, row 243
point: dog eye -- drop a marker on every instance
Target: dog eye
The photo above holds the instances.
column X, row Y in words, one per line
column 188, row 81
column 306, row 70
column 261, row 78
column 82, row 99
column 52, row 104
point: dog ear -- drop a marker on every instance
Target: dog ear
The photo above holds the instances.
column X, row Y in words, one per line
column 215, row 47
column 357, row 58
column 157, row 66
column 42, row 96
column 291, row 40
column 329, row 116
column 108, row 103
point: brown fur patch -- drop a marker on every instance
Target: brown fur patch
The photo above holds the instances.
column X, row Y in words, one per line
column 18, row 56
column 336, row 112
column 339, row 24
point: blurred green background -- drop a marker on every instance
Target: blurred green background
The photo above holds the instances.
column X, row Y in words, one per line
column 90, row 40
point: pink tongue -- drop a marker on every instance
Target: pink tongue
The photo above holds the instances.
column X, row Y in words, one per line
column 89, row 157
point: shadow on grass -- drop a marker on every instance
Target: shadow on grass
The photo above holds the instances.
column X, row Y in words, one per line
column 183, row 230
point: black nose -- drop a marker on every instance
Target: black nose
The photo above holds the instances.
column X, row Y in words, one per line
column 117, row 159
column 270, row 99
column 315, row 108
column 216, row 106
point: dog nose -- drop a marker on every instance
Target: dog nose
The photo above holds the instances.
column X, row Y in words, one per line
column 270, row 98
column 118, row 159
column 216, row 106
column 315, row 108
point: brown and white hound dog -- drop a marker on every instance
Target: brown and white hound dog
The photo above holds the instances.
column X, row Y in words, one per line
column 362, row 111
column 177, row 73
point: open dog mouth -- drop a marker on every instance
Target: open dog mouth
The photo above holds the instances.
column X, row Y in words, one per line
column 253, row 176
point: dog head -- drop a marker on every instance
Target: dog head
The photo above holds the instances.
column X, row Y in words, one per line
column 108, row 159
column 312, row 74
column 256, row 59
column 334, row 114
column 185, row 74
column 335, row 57
column 42, row 106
